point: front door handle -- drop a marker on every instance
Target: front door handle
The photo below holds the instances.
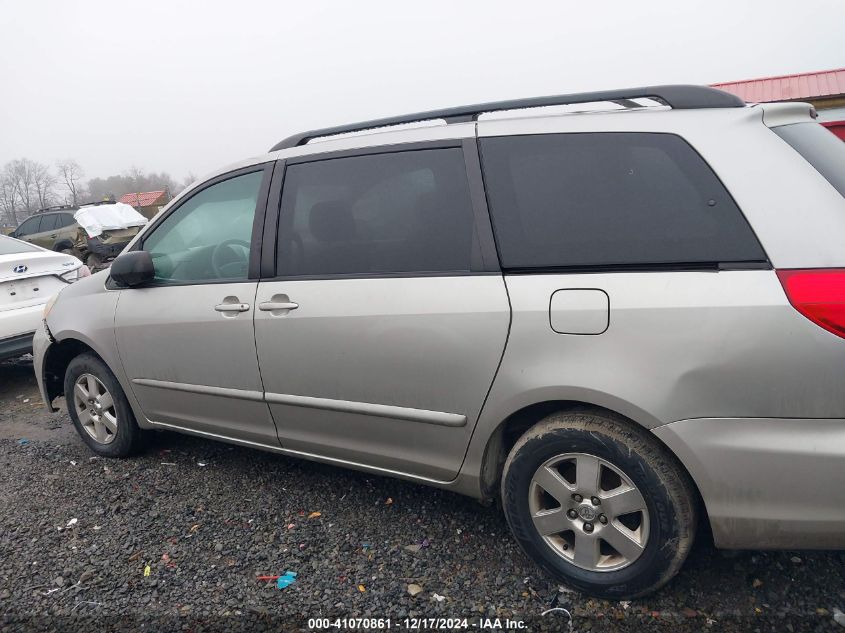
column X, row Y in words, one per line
column 272, row 306
column 53, row 236
column 232, row 307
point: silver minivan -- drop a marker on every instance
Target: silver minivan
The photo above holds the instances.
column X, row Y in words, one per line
column 622, row 321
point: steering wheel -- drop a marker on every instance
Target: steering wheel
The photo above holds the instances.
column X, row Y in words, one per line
column 228, row 262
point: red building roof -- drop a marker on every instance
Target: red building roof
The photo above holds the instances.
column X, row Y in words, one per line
column 826, row 83
column 144, row 199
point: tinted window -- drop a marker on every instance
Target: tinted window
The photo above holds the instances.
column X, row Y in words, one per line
column 29, row 226
column 604, row 199
column 9, row 246
column 49, row 223
column 66, row 219
column 208, row 236
column 384, row 213
column 822, row 149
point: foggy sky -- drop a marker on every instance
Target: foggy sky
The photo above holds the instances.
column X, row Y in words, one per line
column 189, row 86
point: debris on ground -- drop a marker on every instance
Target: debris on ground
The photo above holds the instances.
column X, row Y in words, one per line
column 23, row 441
column 414, row 589
column 314, row 515
column 147, row 571
column 389, row 501
column 285, row 580
column 437, row 597
column 413, row 548
column 796, row 560
column 757, row 583
column 362, row 588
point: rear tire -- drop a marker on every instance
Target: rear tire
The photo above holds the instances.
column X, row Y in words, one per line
column 617, row 511
column 99, row 409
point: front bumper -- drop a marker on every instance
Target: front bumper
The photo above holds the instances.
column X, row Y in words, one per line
column 767, row 483
column 41, row 342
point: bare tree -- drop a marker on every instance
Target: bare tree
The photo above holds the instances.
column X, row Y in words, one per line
column 21, row 173
column 8, row 195
column 44, row 183
column 71, row 174
column 33, row 184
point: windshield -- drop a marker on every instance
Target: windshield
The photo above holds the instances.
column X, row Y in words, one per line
column 11, row 246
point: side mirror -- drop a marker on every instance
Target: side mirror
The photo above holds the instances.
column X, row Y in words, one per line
column 132, row 269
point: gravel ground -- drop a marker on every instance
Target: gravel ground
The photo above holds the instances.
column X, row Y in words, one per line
column 77, row 532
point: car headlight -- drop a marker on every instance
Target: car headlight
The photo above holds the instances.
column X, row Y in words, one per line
column 49, row 305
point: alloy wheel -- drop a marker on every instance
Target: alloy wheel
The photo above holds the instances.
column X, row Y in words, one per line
column 589, row 512
column 95, row 408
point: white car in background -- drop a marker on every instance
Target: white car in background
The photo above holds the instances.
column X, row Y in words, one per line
column 29, row 276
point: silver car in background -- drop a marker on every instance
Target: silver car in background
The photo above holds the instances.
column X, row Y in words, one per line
column 620, row 322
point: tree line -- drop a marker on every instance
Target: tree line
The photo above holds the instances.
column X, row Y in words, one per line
column 27, row 186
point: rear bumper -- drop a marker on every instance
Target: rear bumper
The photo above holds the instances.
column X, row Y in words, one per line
column 16, row 328
column 15, row 346
column 767, row 483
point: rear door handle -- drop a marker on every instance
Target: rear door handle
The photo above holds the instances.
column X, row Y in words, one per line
column 232, row 307
column 272, row 306
column 53, row 236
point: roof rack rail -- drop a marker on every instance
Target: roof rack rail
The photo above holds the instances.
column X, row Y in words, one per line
column 56, row 207
column 96, row 203
column 678, row 97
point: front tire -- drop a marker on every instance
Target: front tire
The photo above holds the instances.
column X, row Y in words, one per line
column 599, row 504
column 99, row 409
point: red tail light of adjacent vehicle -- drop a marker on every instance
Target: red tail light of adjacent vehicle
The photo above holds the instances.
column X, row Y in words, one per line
column 818, row 294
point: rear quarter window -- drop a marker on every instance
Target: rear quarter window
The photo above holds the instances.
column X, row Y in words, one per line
column 610, row 199
column 819, row 147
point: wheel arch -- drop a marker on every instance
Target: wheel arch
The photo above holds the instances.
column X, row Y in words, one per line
column 56, row 360
column 63, row 244
column 509, row 430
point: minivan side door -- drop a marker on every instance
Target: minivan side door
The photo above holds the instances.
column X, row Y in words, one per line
column 186, row 340
column 381, row 329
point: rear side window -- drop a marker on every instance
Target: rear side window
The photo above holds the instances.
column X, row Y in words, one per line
column 66, row 220
column 402, row 212
column 49, row 223
column 610, row 199
column 819, row 147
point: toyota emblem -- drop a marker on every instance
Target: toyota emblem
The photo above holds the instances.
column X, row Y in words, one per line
column 20, row 269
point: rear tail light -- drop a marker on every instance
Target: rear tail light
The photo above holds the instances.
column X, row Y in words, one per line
column 818, row 294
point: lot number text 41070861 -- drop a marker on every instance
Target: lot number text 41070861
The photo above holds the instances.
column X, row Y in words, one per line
column 417, row 624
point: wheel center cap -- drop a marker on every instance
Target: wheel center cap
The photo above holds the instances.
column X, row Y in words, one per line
column 587, row 512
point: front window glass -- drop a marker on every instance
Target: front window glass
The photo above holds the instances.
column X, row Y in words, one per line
column 209, row 236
